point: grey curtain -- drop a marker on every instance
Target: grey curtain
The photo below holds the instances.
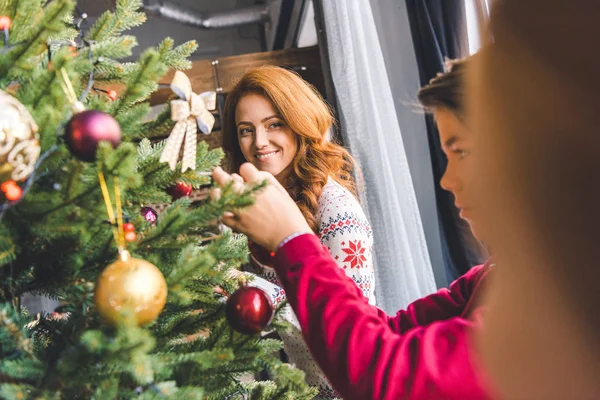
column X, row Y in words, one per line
column 370, row 130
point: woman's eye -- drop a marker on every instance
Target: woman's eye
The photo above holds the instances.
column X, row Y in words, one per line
column 245, row 131
column 461, row 153
column 275, row 125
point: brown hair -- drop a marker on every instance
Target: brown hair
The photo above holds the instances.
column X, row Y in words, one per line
column 310, row 118
column 447, row 90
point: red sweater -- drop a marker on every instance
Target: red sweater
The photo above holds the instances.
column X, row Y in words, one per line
column 424, row 352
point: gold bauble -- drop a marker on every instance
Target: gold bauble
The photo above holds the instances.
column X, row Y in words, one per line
column 130, row 284
column 19, row 145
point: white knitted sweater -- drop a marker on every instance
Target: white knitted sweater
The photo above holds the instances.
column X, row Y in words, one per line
column 345, row 231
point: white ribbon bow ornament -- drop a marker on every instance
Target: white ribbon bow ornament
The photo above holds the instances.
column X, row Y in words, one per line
column 190, row 112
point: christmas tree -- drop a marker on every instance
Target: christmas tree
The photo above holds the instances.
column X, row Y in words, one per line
column 147, row 306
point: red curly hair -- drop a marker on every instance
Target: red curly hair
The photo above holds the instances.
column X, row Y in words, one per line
column 310, row 118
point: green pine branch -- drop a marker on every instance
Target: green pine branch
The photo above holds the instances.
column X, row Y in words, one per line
column 22, row 369
column 114, row 47
column 111, row 24
column 176, row 58
column 159, row 127
column 141, row 82
column 132, row 120
column 8, row 249
column 9, row 8
column 35, row 34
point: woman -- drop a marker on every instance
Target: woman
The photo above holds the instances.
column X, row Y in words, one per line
column 276, row 121
column 425, row 351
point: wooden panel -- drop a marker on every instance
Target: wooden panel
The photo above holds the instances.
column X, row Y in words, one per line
column 305, row 62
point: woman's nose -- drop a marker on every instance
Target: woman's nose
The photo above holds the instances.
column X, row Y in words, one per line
column 262, row 139
column 450, row 182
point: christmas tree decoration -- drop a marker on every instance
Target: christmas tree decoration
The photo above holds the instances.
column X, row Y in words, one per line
column 189, row 112
column 179, row 190
column 19, row 145
column 149, row 215
column 130, row 236
column 130, row 284
column 5, row 22
column 87, row 129
column 11, row 190
column 210, row 100
column 112, row 94
column 249, row 310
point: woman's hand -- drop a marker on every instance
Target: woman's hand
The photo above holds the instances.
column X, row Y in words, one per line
column 273, row 217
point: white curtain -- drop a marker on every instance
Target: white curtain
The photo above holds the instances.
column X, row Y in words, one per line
column 477, row 12
column 371, row 131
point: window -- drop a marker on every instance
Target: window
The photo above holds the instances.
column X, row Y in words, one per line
column 475, row 10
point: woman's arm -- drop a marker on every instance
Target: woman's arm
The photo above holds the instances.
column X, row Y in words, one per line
column 363, row 357
column 442, row 305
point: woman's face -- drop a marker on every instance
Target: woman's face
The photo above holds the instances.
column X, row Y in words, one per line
column 264, row 138
column 459, row 177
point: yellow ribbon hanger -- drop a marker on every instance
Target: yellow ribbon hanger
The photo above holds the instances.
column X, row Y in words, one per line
column 116, row 222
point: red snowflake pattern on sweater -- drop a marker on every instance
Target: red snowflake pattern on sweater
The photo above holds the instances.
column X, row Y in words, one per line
column 347, row 234
column 356, row 254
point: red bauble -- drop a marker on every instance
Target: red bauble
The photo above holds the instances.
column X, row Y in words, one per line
column 87, row 129
column 249, row 310
column 128, row 227
column 181, row 189
column 261, row 255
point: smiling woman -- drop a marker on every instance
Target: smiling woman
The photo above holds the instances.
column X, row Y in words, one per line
column 279, row 123
column 267, row 142
column 267, row 110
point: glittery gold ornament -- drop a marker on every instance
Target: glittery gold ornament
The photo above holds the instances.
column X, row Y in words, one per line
column 19, row 145
column 130, row 284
